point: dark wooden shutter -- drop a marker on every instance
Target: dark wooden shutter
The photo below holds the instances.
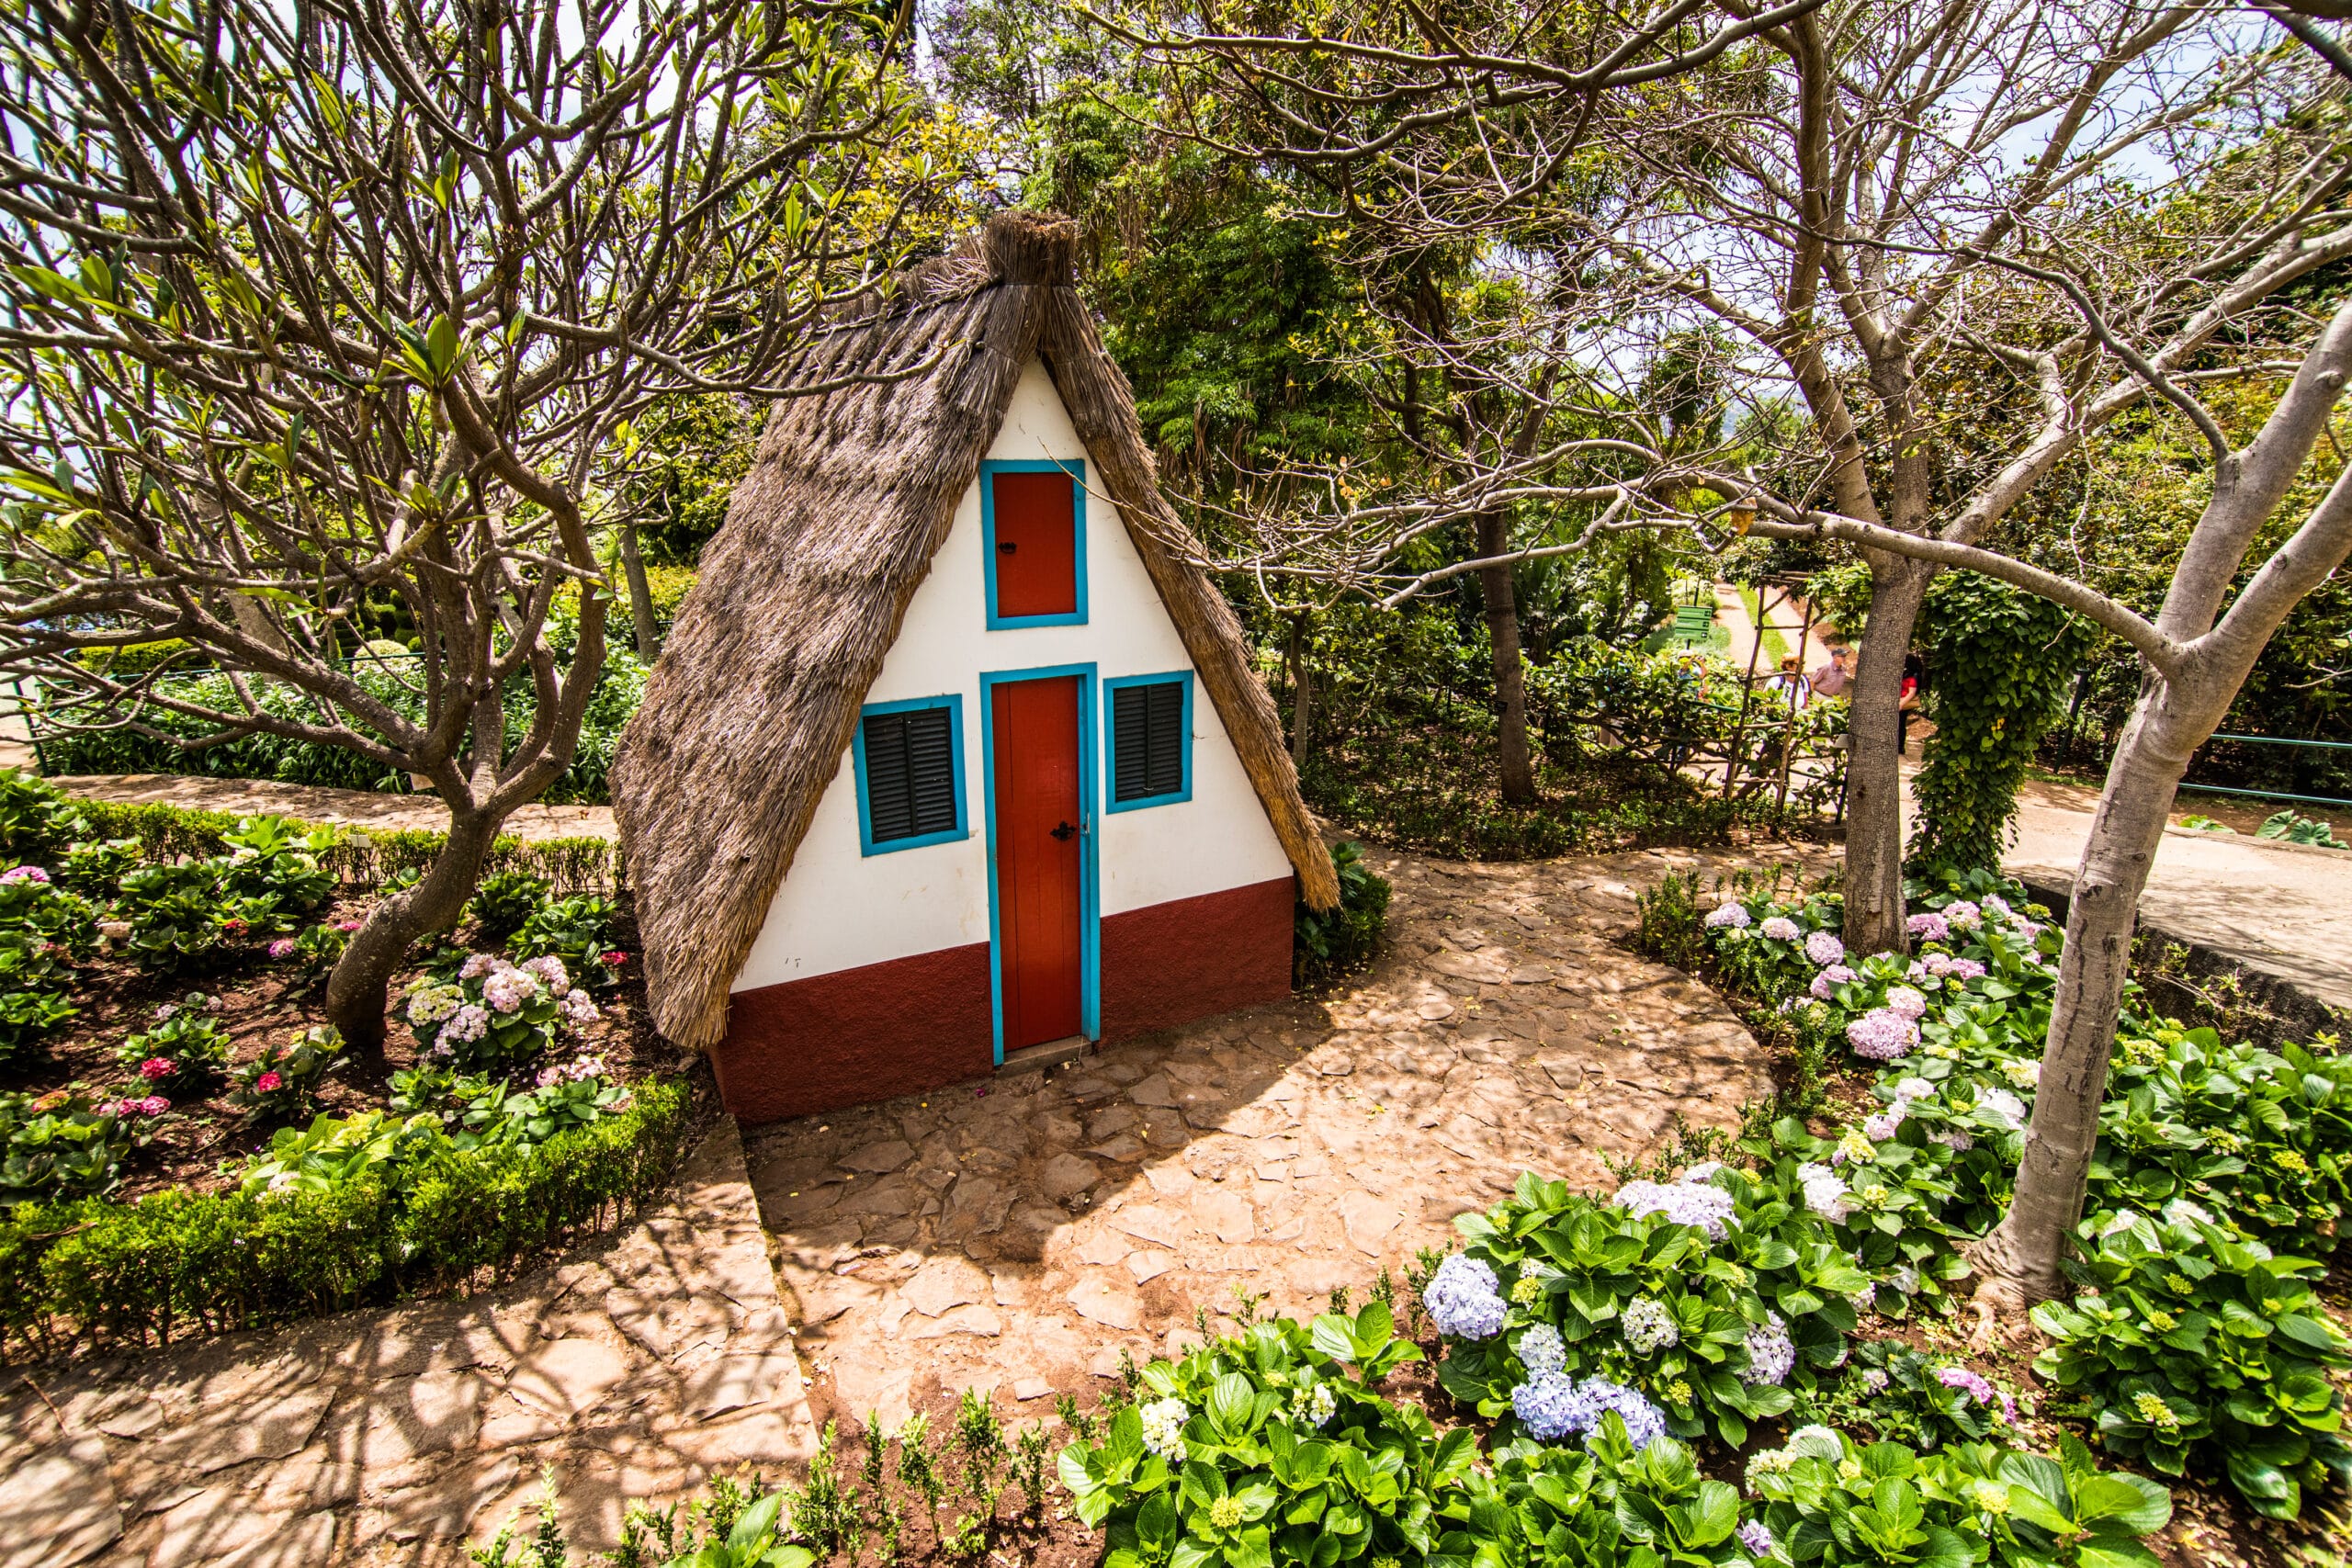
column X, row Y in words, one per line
column 1148, row 739
column 909, row 774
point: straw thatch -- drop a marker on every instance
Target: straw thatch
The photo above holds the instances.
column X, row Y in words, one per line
column 800, row 594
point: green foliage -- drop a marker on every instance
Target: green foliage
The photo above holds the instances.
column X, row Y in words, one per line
column 42, row 930
column 1228, row 1462
column 477, row 1110
column 185, row 1053
column 2186, row 1336
column 1894, row 1391
column 1331, row 943
column 1602, row 1508
column 337, row 1151
column 494, row 1015
column 60, row 1142
column 2001, row 663
column 2294, row 829
column 178, row 1264
column 503, row 900
column 184, row 912
column 282, row 1081
column 578, row 931
column 37, row 822
column 1567, row 1262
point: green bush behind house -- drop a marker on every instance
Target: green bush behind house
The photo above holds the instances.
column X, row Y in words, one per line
column 177, row 1264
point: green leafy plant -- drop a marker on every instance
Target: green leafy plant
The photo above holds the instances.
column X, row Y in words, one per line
column 274, row 868
column 1902, row 1395
column 184, row 1053
column 1609, row 1504
column 1341, row 940
column 176, row 921
column 2292, row 829
column 282, row 1082
column 63, row 1142
column 336, row 1151
column 38, row 820
column 1266, row 1448
column 494, row 1015
column 503, row 901
column 577, row 929
column 2186, row 1337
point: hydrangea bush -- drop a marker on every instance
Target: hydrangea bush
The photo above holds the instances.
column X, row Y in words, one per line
column 494, row 1015
column 184, row 1053
column 1715, row 1299
column 63, row 1142
column 281, row 1083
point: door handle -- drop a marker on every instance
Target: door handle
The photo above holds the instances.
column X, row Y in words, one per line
column 1064, row 832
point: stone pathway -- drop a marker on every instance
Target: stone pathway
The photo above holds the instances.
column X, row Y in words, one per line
column 1022, row 1234
column 355, row 807
column 634, row 1370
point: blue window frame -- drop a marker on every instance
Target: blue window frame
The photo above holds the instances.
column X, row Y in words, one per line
column 1076, row 469
column 910, row 763
column 1148, row 739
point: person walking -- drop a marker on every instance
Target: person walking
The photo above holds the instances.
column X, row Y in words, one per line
column 1834, row 678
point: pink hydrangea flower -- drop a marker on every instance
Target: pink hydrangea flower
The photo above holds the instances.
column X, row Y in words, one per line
column 1907, row 1001
column 155, row 1067
column 24, row 873
column 347, row 925
column 1829, row 979
column 1825, row 949
column 282, row 948
column 1780, row 927
column 1929, row 925
column 1962, row 916
column 269, row 1083
column 616, row 958
column 1882, row 1034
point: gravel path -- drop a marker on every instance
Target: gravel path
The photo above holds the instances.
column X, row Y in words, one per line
column 354, row 808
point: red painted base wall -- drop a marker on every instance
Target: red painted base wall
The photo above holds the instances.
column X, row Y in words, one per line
column 859, row 1035
column 1195, row 958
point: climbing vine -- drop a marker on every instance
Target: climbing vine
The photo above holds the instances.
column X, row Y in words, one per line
column 1999, row 662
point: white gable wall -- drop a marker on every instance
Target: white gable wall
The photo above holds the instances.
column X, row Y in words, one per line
column 839, row 910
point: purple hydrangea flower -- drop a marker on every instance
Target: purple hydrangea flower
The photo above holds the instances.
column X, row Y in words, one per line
column 1829, row 979
column 1883, row 1126
column 1771, row 1354
column 1995, row 904
column 1462, row 1301
column 1644, row 1422
column 1823, row 948
column 1962, row 916
column 24, row 874
column 1965, row 969
column 1780, row 927
column 1756, row 1537
column 1905, row 1001
column 1969, row 1382
column 1541, row 1350
column 1731, row 912
column 1684, row 1202
column 1882, row 1034
column 1930, row 925
column 1551, row 1407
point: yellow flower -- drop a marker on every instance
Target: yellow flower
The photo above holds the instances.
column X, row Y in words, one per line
column 1226, row 1512
column 2162, row 1322
column 2155, row 1412
column 1991, row 1496
column 1678, row 1392
column 1850, row 1469
column 2288, row 1159
column 1528, row 1291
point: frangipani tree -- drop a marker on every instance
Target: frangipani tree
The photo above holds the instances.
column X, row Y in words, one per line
column 319, row 323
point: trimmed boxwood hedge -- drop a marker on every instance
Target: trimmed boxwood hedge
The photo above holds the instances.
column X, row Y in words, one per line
column 178, row 1264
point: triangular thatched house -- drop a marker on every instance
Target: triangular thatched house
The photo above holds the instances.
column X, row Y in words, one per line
column 953, row 752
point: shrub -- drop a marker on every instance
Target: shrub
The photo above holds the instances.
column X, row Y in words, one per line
column 579, row 931
column 180, row 1263
column 1904, row 1396
column 174, row 914
column 2186, row 1337
column 338, row 1151
column 1720, row 1297
column 495, row 1015
column 1269, row 1448
column 477, row 1110
column 60, row 1142
column 1336, row 941
column 504, row 900
column 42, row 928
column 1612, row 1505
column 37, row 821
column 275, row 870
column 184, row 1055
column 283, row 1081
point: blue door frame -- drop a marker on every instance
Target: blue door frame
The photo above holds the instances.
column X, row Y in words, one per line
column 1089, row 917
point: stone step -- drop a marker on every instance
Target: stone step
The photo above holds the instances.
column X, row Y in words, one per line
column 1052, row 1054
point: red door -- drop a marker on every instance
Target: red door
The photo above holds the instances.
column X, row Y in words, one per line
column 1040, row 858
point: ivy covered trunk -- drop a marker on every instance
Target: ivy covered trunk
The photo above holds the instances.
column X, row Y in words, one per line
column 2004, row 661
column 1873, row 764
column 358, row 991
column 2021, row 1257
column 1510, row 681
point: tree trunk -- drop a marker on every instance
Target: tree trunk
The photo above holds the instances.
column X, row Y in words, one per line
column 1873, row 768
column 2019, row 1259
column 1510, row 682
column 358, row 989
column 641, row 597
column 1302, row 712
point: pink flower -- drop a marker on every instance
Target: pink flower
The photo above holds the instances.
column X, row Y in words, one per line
column 282, row 948
column 616, row 958
column 24, row 873
column 268, row 1083
column 347, row 925
column 155, row 1067
column 153, row 1105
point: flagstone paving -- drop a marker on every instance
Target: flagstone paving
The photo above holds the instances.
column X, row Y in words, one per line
column 634, row 1370
column 1024, row 1233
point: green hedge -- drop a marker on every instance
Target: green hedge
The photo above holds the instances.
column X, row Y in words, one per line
column 367, row 856
column 176, row 1264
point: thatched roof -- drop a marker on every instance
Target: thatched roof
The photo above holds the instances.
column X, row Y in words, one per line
column 800, row 594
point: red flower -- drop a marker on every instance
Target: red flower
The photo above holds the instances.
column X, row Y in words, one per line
column 155, row 1067
column 233, row 926
column 268, row 1083
column 616, row 958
